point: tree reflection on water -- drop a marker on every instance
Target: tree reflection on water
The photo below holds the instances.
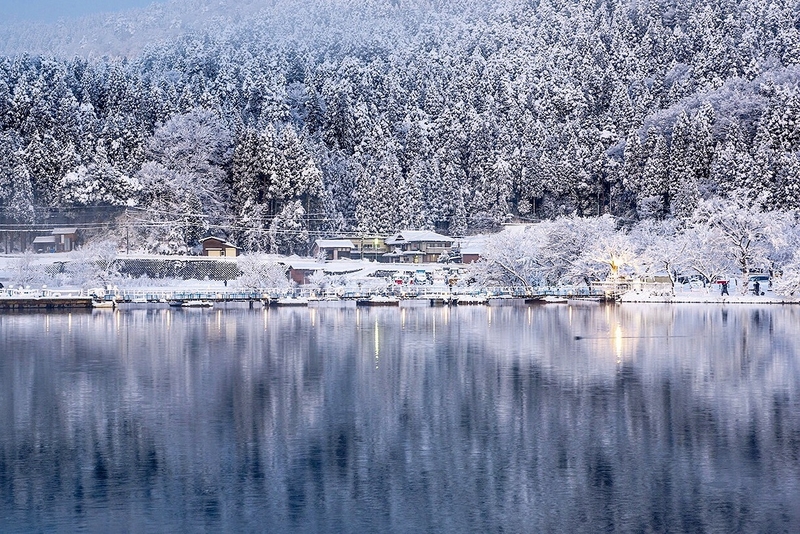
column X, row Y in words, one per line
column 548, row 418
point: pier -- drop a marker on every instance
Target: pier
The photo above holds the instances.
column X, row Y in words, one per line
column 45, row 303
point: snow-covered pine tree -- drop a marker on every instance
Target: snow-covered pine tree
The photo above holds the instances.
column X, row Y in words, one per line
column 653, row 186
column 683, row 165
column 288, row 232
column 16, row 191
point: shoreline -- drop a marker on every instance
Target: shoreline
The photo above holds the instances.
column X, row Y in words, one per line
column 72, row 303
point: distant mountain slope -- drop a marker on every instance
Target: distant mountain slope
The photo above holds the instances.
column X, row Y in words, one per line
column 122, row 34
column 127, row 33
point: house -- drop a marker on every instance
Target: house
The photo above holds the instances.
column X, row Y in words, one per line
column 59, row 240
column 471, row 248
column 333, row 249
column 300, row 275
column 369, row 247
column 417, row 246
column 301, row 270
column 66, row 239
column 216, row 247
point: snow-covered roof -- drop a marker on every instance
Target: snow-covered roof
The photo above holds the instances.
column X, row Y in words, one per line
column 332, row 267
column 64, row 231
column 334, row 243
column 415, row 236
column 296, row 262
column 472, row 244
column 44, row 239
column 224, row 243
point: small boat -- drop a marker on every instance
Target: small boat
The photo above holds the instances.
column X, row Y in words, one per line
column 554, row 299
column 289, row 301
column 378, row 300
column 440, row 300
column 585, row 300
column 191, row 303
column 104, row 304
column 471, row 299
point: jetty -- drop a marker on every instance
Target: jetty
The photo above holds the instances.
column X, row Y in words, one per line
column 45, row 303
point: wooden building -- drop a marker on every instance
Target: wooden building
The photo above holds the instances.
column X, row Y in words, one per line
column 417, row 246
column 66, row 239
column 369, row 247
column 59, row 240
column 333, row 249
column 216, row 247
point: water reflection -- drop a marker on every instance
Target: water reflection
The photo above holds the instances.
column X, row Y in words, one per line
column 550, row 418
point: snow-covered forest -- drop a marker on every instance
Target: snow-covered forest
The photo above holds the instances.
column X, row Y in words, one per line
column 273, row 124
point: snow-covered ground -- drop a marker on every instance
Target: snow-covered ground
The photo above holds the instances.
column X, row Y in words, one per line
column 706, row 296
column 367, row 275
column 344, row 272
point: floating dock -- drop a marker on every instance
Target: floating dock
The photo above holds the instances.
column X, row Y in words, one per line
column 46, row 303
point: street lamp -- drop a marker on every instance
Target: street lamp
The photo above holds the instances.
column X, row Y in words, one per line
column 375, row 246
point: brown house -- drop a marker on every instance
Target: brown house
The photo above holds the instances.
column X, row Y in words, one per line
column 300, row 270
column 59, row 240
column 66, row 239
column 469, row 249
column 216, row 247
column 333, row 249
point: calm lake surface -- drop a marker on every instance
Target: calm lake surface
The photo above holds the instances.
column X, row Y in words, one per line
column 471, row 419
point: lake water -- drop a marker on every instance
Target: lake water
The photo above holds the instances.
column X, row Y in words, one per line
column 474, row 419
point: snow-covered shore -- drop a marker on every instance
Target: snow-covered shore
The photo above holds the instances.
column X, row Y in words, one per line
column 363, row 275
column 704, row 297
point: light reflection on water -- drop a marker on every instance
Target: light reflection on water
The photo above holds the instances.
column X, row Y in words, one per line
column 521, row 419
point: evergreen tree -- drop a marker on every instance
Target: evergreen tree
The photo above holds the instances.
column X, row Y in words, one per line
column 288, row 232
column 16, row 191
column 683, row 169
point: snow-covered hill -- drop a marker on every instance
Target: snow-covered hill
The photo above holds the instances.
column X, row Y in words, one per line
column 273, row 122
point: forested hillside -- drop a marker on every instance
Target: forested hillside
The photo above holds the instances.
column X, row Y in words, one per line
column 275, row 124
